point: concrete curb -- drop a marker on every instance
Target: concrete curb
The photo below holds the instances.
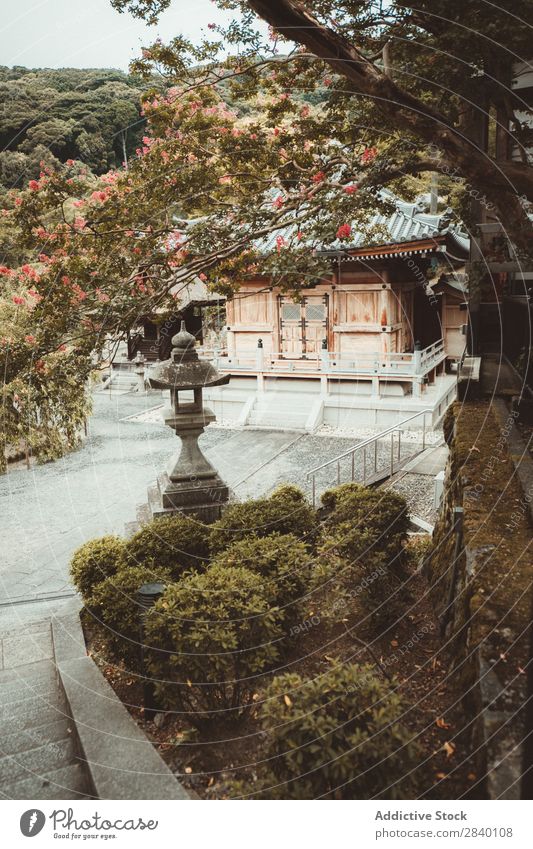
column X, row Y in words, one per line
column 121, row 761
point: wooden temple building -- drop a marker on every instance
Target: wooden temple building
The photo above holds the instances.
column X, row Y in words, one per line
column 368, row 342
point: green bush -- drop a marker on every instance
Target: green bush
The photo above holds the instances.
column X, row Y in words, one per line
column 113, row 604
column 95, row 561
column 218, row 633
column 380, row 515
column 178, row 543
column 337, row 736
column 282, row 563
column 361, row 550
column 285, row 512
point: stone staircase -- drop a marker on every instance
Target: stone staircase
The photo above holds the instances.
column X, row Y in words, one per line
column 285, row 410
column 38, row 754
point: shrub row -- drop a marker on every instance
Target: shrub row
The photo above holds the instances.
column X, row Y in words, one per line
column 233, row 593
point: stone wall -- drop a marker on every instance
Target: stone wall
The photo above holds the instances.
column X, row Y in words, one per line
column 480, row 582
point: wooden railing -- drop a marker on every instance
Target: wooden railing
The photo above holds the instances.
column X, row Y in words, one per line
column 397, row 364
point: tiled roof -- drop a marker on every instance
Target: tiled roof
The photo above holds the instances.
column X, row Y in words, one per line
column 408, row 223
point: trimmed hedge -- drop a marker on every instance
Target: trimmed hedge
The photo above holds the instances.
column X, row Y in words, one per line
column 286, row 511
column 337, row 736
column 379, row 515
column 178, row 543
column 113, row 604
column 95, row 561
column 220, row 634
column 282, row 563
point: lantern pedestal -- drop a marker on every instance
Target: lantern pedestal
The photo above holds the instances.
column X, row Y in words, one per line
column 191, row 484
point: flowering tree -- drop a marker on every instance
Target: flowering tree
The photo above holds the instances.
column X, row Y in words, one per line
column 227, row 193
column 430, row 81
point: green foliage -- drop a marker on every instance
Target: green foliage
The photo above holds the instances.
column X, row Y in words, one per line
column 177, row 543
column 220, row 634
column 337, row 736
column 361, row 552
column 282, row 563
column 91, row 115
column 360, row 515
column 113, row 604
column 95, row 561
column 285, row 512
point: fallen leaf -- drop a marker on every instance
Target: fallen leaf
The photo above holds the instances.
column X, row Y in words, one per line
column 188, row 770
column 441, row 775
column 287, row 701
column 441, row 722
column 474, row 448
column 449, row 748
column 394, row 643
column 255, row 697
column 471, row 776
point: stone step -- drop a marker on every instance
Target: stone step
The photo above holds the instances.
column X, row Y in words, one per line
column 36, row 711
column 68, row 782
column 16, row 694
column 280, row 421
column 39, row 735
column 36, row 761
column 34, row 673
column 285, row 402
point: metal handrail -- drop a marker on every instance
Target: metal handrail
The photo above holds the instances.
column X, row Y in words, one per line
column 362, row 446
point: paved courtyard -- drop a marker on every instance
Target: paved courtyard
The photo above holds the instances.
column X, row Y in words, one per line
column 48, row 511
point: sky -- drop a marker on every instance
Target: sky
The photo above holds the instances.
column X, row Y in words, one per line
column 89, row 33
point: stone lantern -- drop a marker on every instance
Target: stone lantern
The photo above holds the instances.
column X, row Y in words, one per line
column 191, row 485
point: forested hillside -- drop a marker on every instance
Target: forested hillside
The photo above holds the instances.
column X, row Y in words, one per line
column 53, row 115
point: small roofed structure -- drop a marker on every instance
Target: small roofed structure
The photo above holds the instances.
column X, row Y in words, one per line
column 152, row 339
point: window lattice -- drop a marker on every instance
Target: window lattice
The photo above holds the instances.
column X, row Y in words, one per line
column 315, row 312
column 290, row 312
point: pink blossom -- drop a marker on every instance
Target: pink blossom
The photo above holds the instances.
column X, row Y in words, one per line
column 4, row 269
column 276, row 131
column 344, row 231
column 30, row 339
column 202, row 276
column 351, row 189
column 18, row 201
column 280, row 243
column 278, row 203
column 369, row 154
column 17, row 300
column 327, row 81
column 319, row 177
column 225, row 180
column 78, row 203
column 34, row 185
column 101, row 196
column 70, row 162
